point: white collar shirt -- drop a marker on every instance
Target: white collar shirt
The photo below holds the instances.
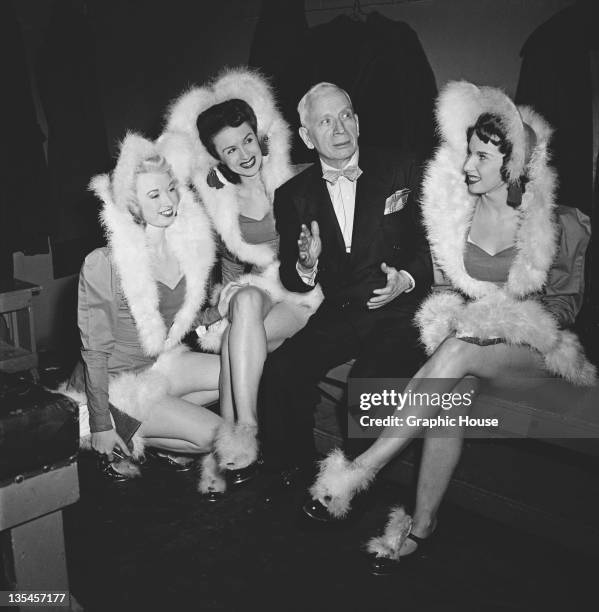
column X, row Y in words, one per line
column 343, row 198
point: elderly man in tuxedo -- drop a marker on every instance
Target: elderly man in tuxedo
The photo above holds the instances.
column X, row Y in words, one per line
column 350, row 223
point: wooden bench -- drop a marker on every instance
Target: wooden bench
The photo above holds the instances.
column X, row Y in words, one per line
column 542, row 476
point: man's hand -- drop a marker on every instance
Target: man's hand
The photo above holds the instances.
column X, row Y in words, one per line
column 309, row 245
column 105, row 442
column 397, row 283
column 226, row 294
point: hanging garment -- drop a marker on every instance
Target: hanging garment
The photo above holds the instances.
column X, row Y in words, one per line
column 387, row 75
column 379, row 62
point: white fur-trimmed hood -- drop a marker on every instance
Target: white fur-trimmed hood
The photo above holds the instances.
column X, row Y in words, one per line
column 189, row 237
column 448, row 206
column 459, row 105
column 181, row 135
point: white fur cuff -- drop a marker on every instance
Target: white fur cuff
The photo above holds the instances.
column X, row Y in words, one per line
column 338, row 481
column 236, row 445
column 397, row 530
column 211, row 479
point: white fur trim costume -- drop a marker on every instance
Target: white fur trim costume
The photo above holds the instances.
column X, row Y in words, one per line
column 222, row 205
column 338, row 481
column 189, row 237
column 191, row 241
column 397, row 529
column 479, row 308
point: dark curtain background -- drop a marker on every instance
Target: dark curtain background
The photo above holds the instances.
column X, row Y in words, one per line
column 77, row 147
column 26, row 204
column 556, row 80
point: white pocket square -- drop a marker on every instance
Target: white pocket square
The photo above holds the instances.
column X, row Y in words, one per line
column 396, row 201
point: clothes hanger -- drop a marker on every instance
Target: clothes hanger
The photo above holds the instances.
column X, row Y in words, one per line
column 358, row 14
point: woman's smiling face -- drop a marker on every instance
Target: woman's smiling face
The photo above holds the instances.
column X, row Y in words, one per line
column 157, row 197
column 239, row 150
column 483, row 166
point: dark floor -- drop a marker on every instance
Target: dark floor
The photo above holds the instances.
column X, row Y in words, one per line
column 156, row 544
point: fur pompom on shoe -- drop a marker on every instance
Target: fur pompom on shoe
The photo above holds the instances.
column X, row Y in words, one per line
column 211, row 479
column 338, row 481
column 236, row 445
column 397, row 530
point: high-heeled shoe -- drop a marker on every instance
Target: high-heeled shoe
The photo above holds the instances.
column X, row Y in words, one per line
column 239, row 476
column 338, row 481
column 236, row 444
column 127, row 469
column 384, row 551
column 170, row 461
column 318, row 512
column 212, row 483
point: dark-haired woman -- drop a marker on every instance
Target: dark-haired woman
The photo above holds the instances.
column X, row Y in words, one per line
column 511, row 263
column 237, row 155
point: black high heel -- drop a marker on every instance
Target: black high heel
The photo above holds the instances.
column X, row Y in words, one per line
column 319, row 512
column 110, row 473
column 168, row 461
column 214, row 496
column 386, row 566
column 238, row 476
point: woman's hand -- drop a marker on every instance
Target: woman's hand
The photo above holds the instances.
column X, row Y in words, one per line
column 105, row 442
column 309, row 245
column 228, row 291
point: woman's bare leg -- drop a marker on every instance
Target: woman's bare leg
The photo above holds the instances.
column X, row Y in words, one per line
column 247, row 349
column 201, row 398
column 256, row 328
column 452, row 361
column 227, row 408
column 176, row 424
column 283, row 321
column 189, row 372
column 441, row 454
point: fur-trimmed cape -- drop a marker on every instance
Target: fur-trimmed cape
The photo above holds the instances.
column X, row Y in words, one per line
column 478, row 308
column 189, row 237
column 191, row 240
column 222, row 205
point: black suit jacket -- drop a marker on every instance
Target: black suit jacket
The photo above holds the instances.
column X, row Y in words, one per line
column 397, row 238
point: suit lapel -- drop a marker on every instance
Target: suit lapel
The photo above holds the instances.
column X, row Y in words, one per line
column 370, row 206
column 330, row 232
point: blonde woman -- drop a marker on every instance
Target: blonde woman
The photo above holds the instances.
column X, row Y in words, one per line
column 138, row 297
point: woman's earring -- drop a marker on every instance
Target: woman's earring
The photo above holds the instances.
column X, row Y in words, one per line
column 264, row 146
column 213, row 180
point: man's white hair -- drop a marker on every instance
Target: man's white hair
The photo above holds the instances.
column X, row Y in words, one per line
column 302, row 107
